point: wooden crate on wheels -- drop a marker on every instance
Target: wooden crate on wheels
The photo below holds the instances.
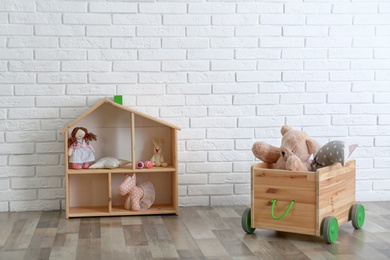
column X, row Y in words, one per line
column 312, row 203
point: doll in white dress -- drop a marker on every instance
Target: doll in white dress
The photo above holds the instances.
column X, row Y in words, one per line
column 81, row 152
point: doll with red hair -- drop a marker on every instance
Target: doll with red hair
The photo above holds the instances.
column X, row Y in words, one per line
column 81, row 152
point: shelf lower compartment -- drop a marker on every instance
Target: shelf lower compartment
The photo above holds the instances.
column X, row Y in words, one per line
column 103, row 211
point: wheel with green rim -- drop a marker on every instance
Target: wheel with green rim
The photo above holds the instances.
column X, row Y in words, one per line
column 246, row 221
column 358, row 215
column 330, row 229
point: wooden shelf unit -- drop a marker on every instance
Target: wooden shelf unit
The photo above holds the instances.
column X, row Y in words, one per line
column 126, row 134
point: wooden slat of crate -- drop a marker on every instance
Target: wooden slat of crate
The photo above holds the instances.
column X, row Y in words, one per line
column 268, row 184
column 296, row 220
column 336, row 192
column 302, row 195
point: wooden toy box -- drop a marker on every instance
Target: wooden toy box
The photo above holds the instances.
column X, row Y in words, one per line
column 330, row 191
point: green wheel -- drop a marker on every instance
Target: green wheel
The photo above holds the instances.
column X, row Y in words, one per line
column 246, row 221
column 330, row 229
column 357, row 215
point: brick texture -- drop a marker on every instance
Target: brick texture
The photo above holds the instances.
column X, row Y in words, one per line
column 228, row 72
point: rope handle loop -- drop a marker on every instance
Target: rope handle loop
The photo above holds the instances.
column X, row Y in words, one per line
column 284, row 214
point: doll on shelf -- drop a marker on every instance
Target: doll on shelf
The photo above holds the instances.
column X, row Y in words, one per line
column 81, row 152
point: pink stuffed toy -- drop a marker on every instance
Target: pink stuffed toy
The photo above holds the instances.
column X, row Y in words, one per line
column 138, row 197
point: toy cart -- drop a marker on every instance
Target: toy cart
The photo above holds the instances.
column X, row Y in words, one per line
column 312, row 203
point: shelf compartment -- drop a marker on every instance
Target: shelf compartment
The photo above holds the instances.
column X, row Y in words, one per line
column 89, row 190
column 162, row 182
column 113, row 129
column 145, row 131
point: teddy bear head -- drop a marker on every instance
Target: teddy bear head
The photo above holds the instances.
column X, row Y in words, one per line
column 298, row 143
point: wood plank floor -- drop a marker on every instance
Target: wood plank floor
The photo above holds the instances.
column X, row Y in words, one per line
column 197, row 233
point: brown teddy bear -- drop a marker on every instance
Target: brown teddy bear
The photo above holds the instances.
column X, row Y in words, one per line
column 294, row 152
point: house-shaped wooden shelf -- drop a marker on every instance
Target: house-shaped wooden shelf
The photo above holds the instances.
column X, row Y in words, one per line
column 126, row 134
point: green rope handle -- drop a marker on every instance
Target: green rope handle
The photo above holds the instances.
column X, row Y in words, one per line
column 284, row 214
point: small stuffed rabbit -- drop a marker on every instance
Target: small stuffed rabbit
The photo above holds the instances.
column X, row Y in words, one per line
column 158, row 157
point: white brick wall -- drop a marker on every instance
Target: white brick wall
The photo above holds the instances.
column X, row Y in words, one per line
column 228, row 72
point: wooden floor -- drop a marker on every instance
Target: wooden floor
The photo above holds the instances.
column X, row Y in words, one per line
column 197, row 233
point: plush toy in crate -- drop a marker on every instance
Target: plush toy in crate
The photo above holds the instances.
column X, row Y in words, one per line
column 296, row 150
column 81, row 152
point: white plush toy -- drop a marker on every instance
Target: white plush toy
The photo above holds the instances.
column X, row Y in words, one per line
column 158, row 157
